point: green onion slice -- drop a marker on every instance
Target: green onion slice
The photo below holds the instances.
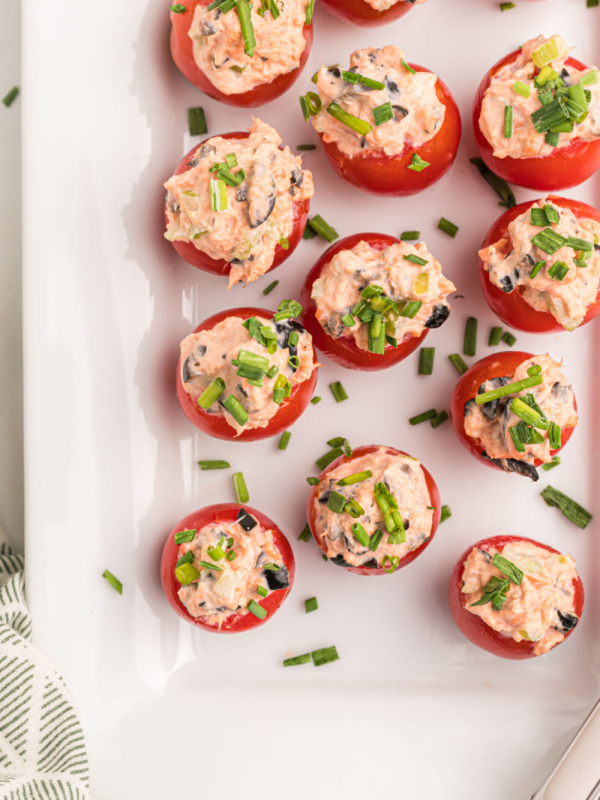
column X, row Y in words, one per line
column 323, row 229
column 510, row 388
column 495, row 335
column 296, row 660
column 512, row 572
column 197, row 121
column 338, row 392
column 256, row 609
column 184, row 536
column 446, row 513
column 572, row 510
column 311, row 604
column 426, row 358
column 204, row 465
column 360, row 126
column 325, row 655
column 417, row 164
column 458, row 363
column 448, row 227
column 426, row 415
column 499, row 185
column 236, row 409
column 383, row 113
column 114, row 582
column 357, row 477
column 187, row 574
column 212, row 393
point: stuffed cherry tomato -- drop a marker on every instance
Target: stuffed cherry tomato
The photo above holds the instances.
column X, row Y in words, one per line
column 540, row 265
column 226, row 568
column 238, row 203
column 373, row 510
column 514, row 597
column 209, row 48
column 370, row 300
column 536, row 117
column 386, row 126
column 246, row 374
column 370, row 12
column 525, row 417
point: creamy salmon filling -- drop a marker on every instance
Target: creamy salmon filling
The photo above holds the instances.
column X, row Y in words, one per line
column 218, row 45
column 383, row 5
column 566, row 283
column 241, row 223
column 404, row 479
column 417, row 112
column 209, row 355
column 409, row 297
column 540, row 609
column 493, row 423
column 224, row 584
column 518, row 85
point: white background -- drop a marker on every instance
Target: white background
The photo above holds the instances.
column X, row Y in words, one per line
column 411, row 708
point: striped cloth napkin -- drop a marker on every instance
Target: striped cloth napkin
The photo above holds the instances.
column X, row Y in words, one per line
column 42, row 750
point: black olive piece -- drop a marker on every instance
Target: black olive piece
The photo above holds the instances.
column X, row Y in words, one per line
column 400, row 110
column 277, row 579
column 324, row 497
column 439, row 315
column 336, row 72
column 241, row 194
column 392, row 86
column 514, row 465
column 340, row 561
column 527, row 261
column 245, row 520
column 468, row 405
column 208, row 28
column 567, row 621
column 260, row 204
column 506, row 284
column 372, row 563
column 490, row 409
column 191, row 366
column 566, row 77
column 297, row 176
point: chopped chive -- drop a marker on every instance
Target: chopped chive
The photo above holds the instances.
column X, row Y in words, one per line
column 284, row 441
column 324, row 655
column 375, row 540
column 209, row 565
column 572, row 510
column 270, row 287
column 244, row 13
column 538, row 218
column 508, row 122
column 311, row 604
column 212, row 393
column 348, row 320
column 507, row 7
column 338, row 391
column 439, row 419
column 590, row 78
column 256, row 609
column 516, row 439
column 182, row 537
column 536, row 269
column 393, row 561
column 312, row 481
column 499, row 185
column 296, row 660
column 426, row 358
column 360, row 534
column 341, row 441
column 305, row 534
column 458, row 362
column 306, row 147
column 241, row 490
column 410, row 236
column 411, row 309
column 509, row 339
column 551, row 214
column 426, row 415
column 383, row 113
column 407, row 66
column 323, row 229
column 470, row 343
column 214, row 465
column 558, row 271
column 10, row 98
column 357, row 477
column 506, row 567
column 360, row 126
column 592, row 3
column 554, row 434
column 114, row 582
column 186, row 574
column 417, row 164
column 188, row 558
column 495, row 336
column 354, row 508
column 522, row 88
column 510, row 388
column 329, row 458
column 415, row 259
column 528, row 414
column 580, row 244
column 287, row 309
column 197, row 121
column 262, row 591
column 446, row 513
column 230, row 555
column 336, row 502
column 237, row 411
column 308, row 232
column 178, row 9
column 218, row 194
column 448, row 227
column 316, row 399
column 551, row 464
column 324, row 557
column 309, row 11
column 552, row 138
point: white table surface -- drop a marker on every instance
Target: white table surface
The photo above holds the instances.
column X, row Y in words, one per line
column 11, row 392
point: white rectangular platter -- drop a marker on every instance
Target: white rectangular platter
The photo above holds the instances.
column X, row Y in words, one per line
column 411, row 709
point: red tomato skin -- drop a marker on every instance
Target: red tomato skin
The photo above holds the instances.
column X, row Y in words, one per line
column 474, row 628
column 361, row 13
column 213, row 425
column 493, row 366
column 566, row 167
column 203, row 261
column 223, row 512
column 345, row 351
column 390, row 176
column 434, row 496
column 183, row 55
column 511, row 308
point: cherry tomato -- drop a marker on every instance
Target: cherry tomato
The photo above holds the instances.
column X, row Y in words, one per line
column 478, row 631
column 182, row 49
column 512, row 309
column 344, row 350
column 434, row 496
column 210, row 515
column 361, row 13
column 197, row 258
column 378, row 173
column 216, row 425
column 564, row 167
column 496, row 365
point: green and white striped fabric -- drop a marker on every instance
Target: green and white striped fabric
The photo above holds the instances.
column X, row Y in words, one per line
column 42, row 750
